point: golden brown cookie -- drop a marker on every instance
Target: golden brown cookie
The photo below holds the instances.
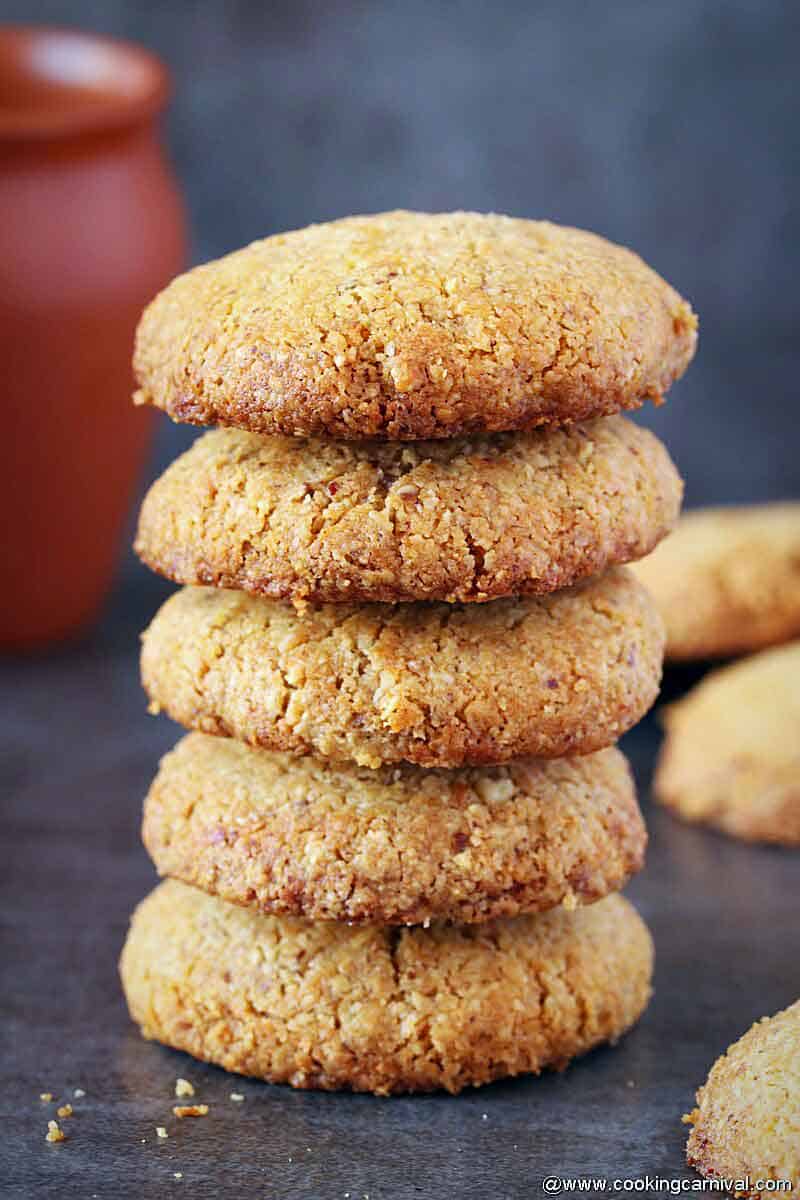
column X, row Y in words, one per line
column 413, row 325
column 727, row 581
column 460, row 520
column 732, row 752
column 320, row 1004
column 400, row 845
column 435, row 684
column 747, row 1122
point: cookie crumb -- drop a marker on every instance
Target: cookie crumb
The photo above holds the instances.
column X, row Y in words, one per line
column 690, row 1117
column 64, row 1111
column 45, row 1097
column 79, row 1093
column 55, row 1133
column 237, row 1097
column 190, row 1110
column 161, row 1131
column 183, row 1088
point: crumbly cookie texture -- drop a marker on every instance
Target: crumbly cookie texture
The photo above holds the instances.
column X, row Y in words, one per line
column 732, row 754
column 435, row 684
column 727, row 581
column 371, row 1008
column 460, row 520
column 747, row 1120
column 400, row 845
column 413, row 325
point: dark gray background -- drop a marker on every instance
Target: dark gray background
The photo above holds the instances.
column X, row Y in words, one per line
column 671, row 127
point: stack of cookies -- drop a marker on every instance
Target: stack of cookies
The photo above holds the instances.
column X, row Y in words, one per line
column 405, row 648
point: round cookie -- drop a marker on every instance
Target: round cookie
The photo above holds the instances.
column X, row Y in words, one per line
column 727, row 580
column 435, row 684
column 320, row 1004
column 460, row 520
column 747, row 1122
column 413, row 325
column 731, row 758
column 400, row 845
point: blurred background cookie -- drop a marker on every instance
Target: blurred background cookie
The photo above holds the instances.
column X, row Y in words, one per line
column 727, row 580
column 731, row 757
column 747, row 1121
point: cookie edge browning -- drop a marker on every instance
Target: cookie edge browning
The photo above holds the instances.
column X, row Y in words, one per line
column 356, row 571
column 165, row 1012
column 453, row 743
column 299, row 405
column 254, row 866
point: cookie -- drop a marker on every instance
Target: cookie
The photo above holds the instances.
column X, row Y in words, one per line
column 731, row 758
column 727, row 581
column 460, row 520
column 400, row 845
column 413, row 325
column 434, row 684
column 320, row 1004
column 746, row 1125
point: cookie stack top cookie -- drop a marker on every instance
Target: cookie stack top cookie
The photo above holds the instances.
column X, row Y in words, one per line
column 409, row 326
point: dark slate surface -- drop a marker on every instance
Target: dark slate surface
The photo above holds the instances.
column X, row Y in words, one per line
column 77, row 754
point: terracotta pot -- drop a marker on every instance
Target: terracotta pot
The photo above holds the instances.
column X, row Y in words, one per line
column 91, row 227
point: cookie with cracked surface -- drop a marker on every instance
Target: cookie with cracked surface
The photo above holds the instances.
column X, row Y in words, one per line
column 747, row 1122
column 436, row 684
column 727, row 580
column 320, row 1004
column 412, row 325
column 470, row 519
column 731, row 758
column 400, row 845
